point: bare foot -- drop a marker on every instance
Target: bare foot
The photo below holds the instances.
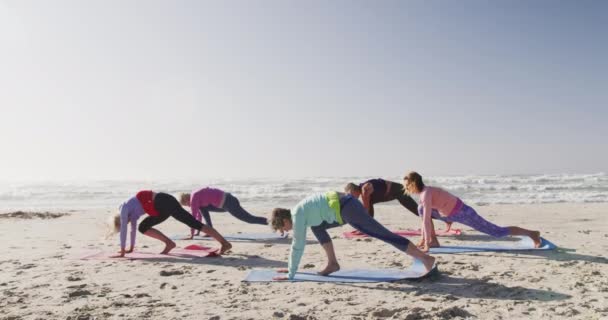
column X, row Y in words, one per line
column 535, row 235
column 226, row 246
column 331, row 268
column 434, row 243
column 168, row 247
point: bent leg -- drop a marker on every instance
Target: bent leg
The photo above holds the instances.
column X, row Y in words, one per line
column 146, row 227
column 324, row 239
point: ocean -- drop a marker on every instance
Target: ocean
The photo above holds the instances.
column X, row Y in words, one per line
column 266, row 193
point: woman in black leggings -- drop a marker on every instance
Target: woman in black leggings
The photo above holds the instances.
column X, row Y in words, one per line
column 159, row 207
column 379, row 190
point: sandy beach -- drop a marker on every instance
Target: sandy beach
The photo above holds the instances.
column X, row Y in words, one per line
column 43, row 278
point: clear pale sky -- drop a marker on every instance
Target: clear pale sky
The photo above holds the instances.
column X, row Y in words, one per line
column 189, row 89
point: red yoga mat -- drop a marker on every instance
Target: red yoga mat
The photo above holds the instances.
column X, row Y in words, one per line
column 190, row 252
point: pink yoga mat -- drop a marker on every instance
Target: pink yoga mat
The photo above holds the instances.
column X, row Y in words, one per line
column 453, row 232
column 190, row 252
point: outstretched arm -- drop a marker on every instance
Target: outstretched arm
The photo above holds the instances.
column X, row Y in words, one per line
column 206, row 216
column 124, row 219
column 133, row 234
column 427, row 224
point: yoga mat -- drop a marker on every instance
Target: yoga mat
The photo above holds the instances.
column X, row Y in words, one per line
column 192, row 253
column 416, row 271
column 524, row 244
column 239, row 237
column 441, row 233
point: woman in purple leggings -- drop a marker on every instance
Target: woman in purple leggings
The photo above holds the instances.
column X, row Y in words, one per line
column 452, row 209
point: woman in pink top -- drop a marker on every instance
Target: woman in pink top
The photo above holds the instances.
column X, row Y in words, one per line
column 210, row 199
column 452, row 209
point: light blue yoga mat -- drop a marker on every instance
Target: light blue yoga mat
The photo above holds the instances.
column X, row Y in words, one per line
column 240, row 237
column 416, row 271
column 524, row 244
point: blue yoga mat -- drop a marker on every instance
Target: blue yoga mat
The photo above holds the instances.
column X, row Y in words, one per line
column 524, row 244
column 416, row 271
column 240, row 237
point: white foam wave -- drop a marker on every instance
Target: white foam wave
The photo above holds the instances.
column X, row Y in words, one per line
column 481, row 190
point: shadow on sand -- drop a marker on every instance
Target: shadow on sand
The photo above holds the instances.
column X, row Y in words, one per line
column 445, row 287
column 230, row 260
column 559, row 254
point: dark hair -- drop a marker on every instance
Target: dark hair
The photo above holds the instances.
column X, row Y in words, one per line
column 416, row 179
column 352, row 187
column 277, row 216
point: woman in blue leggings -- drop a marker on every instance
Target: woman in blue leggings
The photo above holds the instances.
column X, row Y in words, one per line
column 323, row 211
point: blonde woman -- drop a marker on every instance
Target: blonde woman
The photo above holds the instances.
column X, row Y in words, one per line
column 159, row 207
column 211, row 199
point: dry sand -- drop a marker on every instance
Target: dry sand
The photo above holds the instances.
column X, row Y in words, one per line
column 42, row 277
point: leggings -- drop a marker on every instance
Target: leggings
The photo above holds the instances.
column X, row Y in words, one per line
column 355, row 215
column 233, row 206
column 167, row 206
column 469, row 217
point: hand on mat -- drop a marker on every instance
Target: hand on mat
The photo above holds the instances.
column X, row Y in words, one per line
column 448, row 226
column 357, row 233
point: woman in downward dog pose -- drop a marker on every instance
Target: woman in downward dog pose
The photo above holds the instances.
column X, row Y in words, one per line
column 211, row 199
column 453, row 209
column 379, row 190
column 323, row 211
column 159, row 207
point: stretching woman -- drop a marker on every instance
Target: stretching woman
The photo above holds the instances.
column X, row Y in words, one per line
column 323, row 211
column 210, row 199
column 453, row 209
column 159, row 207
column 379, row 190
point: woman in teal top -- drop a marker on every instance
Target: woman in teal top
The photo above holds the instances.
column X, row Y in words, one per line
column 323, row 211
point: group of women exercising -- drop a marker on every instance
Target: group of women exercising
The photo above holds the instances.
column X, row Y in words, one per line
column 318, row 212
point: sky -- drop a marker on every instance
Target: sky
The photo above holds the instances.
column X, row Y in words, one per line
column 195, row 89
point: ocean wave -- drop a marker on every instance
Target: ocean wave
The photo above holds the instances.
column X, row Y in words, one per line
column 481, row 190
